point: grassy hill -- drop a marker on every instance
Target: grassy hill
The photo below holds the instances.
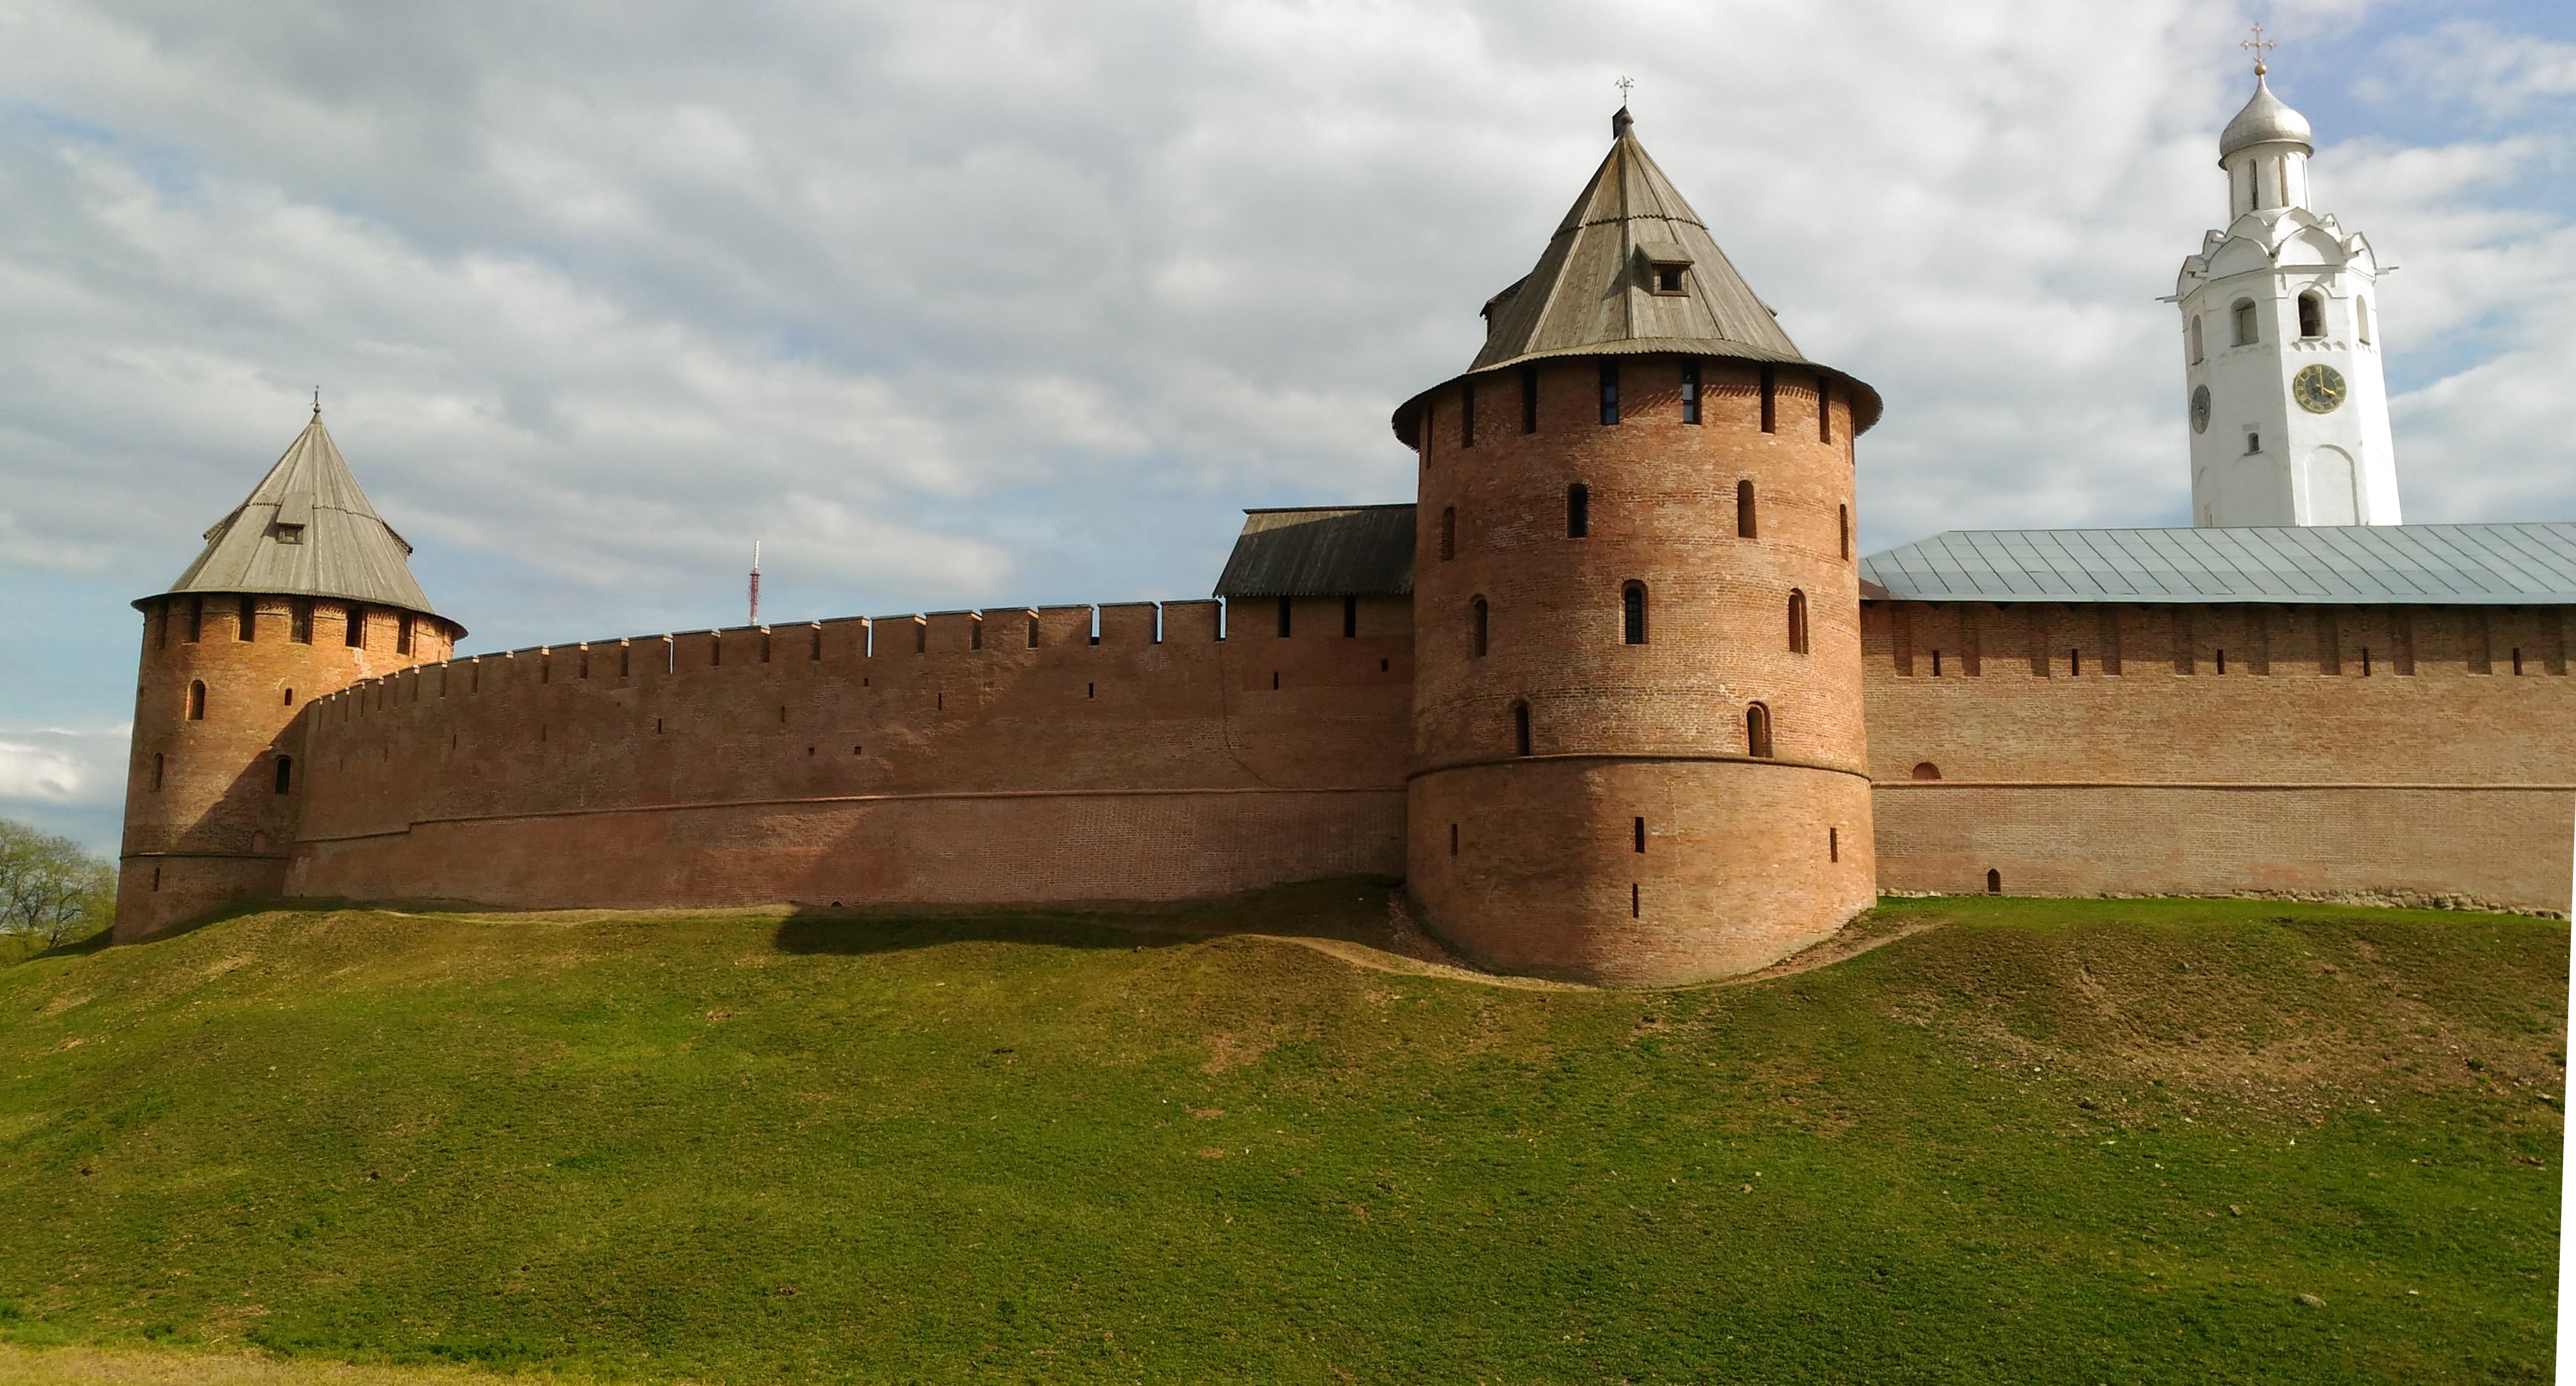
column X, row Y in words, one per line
column 2107, row 1141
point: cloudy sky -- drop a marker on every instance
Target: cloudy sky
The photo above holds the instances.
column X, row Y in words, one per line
column 984, row 301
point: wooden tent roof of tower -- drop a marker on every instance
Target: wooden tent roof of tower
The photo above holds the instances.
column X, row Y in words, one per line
column 1594, row 291
column 307, row 530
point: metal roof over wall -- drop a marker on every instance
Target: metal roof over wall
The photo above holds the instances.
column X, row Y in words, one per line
column 2482, row 565
column 307, row 530
column 1322, row 551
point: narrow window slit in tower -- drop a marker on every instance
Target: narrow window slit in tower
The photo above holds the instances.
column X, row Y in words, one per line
column 197, row 701
column 2075, row 663
column 2365, row 661
column 1453, row 839
column 581, row 663
column 2222, row 661
column 1824, row 410
column 247, row 628
column 1632, row 613
column 1757, row 731
column 1797, row 621
column 2517, row 661
column 1770, row 400
column 1284, row 613
column 1033, row 631
column 1448, row 532
column 1274, row 680
column 1842, row 541
column 1477, row 625
column 1578, row 511
column 197, row 619
column 159, row 767
column 814, row 646
column 1091, row 690
column 1833, row 844
column 1467, row 415
column 782, row 717
column 1529, row 399
column 1690, row 392
column 1520, row 729
column 1350, row 618
column 1641, row 835
column 1609, row 390
column 625, row 659
column 1747, row 523
column 1635, row 906
column 289, row 700
column 1936, row 664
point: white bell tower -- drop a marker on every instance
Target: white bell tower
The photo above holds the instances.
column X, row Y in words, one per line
column 2281, row 337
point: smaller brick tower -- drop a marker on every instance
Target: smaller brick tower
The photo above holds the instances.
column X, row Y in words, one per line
column 1638, row 746
column 302, row 590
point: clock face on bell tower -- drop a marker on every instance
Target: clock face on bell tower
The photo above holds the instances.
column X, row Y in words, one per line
column 2318, row 389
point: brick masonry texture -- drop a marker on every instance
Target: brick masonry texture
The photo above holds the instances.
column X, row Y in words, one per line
column 2355, row 752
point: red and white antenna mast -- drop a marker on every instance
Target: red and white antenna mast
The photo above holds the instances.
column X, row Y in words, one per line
column 755, row 582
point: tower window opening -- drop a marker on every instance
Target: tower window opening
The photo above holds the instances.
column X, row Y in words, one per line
column 1632, row 613
column 1757, row 731
column 299, row 626
column 288, row 700
column 1635, row 904
column 196, row 619
column 248, row 626
column 1529, row 399
column 1578, row 511
column 1641, row 836
column 2243, row 317
column 402, row 633
column 1453, row 839
column 921, row 636
column 2198, row 354
column 1926, row 770
column 2253, row 441
column 1091, row 690
column 2361, row 320
column 1770, row 400
column 156, row 878
column 1690, row 392
column 1936, row 664
column 1467, row 415
column 197, row 701
column 814, row 645
column 2222, row 661
column 1033, row 636
column 2075, row 663
column 286, row 774
column 1994, row 881
column 1520, row 729
column 160, row 767
column 1842, row 532
column 1448, row 532
column 1477, row 623
column 1609, row 390
column 1274, row 680
column 625, row 659
column 2312, row 315
column 2517, row 661
column 1286, row 606
column 356, row 633
column 1797, row 621
column 1824, row 410
column 1833, row 844
column 1350, row 618
column 1747, row 524
column 1668, row 278
column 2365, row 661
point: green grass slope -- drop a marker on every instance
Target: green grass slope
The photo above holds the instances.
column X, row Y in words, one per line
column 2097, row 1141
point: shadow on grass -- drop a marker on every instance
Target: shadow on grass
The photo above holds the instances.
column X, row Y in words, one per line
column 1352, row 909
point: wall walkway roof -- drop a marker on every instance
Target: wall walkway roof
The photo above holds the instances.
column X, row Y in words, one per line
column 1322, row 551
column 2477, row 565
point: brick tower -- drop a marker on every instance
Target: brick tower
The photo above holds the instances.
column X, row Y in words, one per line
column 1638, row 746
column 302, row 590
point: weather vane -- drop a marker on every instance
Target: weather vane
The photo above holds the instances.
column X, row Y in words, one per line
column 2258, row 44
column 317, row 401
column 1623, row 84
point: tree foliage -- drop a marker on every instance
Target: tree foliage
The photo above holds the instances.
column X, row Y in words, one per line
column 51, row 890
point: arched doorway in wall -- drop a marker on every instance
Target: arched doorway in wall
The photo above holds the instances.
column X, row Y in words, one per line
column 2326, row 481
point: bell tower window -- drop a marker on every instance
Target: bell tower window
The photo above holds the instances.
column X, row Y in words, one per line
column 2243, row 316
column 1632, row 613
column 2312, row 316
column 2197, row 354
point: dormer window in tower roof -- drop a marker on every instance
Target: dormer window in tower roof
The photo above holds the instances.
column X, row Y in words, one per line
column 1667, row 267
column 286, row 533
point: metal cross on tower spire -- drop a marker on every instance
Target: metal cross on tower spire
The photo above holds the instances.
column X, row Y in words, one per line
column 2258, row 45
column 1623, row 84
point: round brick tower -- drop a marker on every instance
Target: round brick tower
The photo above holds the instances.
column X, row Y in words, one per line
column 1639, row 756
column 302, row 590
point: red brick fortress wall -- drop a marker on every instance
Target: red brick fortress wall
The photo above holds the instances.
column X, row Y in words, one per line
column 208, row 817
column 907, row 760
column 2390, row 754
column 1639, row 837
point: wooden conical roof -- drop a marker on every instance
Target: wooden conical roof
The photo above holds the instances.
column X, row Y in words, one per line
column 307, row 530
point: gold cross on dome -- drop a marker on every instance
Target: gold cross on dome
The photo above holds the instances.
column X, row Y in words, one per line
column 1623, row 84
column 2258, row 45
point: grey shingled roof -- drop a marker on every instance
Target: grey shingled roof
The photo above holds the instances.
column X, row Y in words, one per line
column 1592, row 292
column 1325, row 551
column 347, row 549
column 2475, row 565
